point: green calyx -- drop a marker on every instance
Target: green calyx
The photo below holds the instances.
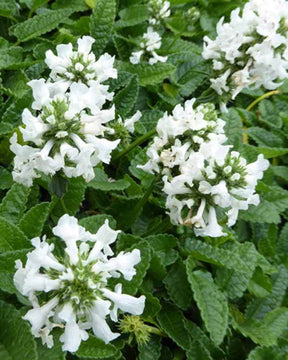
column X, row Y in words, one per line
column 81, row 287
column 134, row 326
column 60, row 128
column 79, row 70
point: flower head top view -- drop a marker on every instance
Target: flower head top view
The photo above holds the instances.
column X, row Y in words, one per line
column 72, row 291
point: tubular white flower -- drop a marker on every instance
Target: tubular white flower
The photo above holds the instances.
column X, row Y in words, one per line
column 126, row 303
column 78, row 295
column 250, row 50
column 200, row 173
column 151, row 41
column 81, row 66
column 68, row 129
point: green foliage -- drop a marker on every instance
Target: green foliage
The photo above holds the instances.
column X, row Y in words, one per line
column 13, row 204
column 101, row 23
column 211, row 302
column 94, row 348
column 40, row 24
column 33, row 221
column 16, row 338
column 149, row 75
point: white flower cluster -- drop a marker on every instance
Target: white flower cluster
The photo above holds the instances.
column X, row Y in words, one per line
column 251, row 49
column 78, row 296
column 159, row 10
column 66, row 130
column 151, row 40
column 203, row 179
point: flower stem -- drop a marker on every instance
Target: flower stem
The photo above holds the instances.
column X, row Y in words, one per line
column 156, row 331
column 265, row 96
column 137, row 142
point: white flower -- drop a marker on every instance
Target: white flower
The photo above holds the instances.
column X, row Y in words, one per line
column 159, row 10
column 67, row 133
column 200, row 173
column 250, row 50
column 78, row 296
column 126, row 303
column 80, row 66
column 129, row 123
column 151, row 41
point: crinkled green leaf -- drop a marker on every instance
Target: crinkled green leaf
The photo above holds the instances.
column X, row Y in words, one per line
column 171, row 320
column 94, row 348
column 101, row 23
column 177, row 285
column 33, row 221
column 151, row 350
column 266, row 332
column 211, row 302
column 13, row 205
column 11, row 237
column 40, row 24
column 149, row 75
column 258, row 308
column 15, row 334
column 126, row 98
column 103, row 183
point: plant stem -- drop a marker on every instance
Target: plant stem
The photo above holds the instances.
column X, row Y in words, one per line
column 268, row 94
column 137, row 142
column 63, row 205
column 148, row 192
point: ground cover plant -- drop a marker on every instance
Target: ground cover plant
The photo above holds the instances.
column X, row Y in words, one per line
column 143, row 179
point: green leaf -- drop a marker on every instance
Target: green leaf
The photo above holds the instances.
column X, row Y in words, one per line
column 240, row 257
column 13, row 205
column 40, row 24
column 177, row 285
column 11, row 58
column 274, row 200
column 211, row 302
column 11, row 238
column 265, row 138
column 15, row 334
column 6, row 283
column 72, row 198
column 258, row 308
column 265, row 353
column 281, row 171
column 126, row 98
column 6, row 180
column 95, row 348
column 198, row 352
column 269, row 114
column 132, row 15
column 266, row 332
column 101, row 23
column 8, row 8
column 7, row 259
column 260, row 284
column 232, row 282
column 33, row 221
column 270, row 152
column 151, row 350
column 94, row 222
column 131, row 287
column 102, row 182
column 55, row 353
column 148, row 75
column 233, row 128
column 171, row 321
